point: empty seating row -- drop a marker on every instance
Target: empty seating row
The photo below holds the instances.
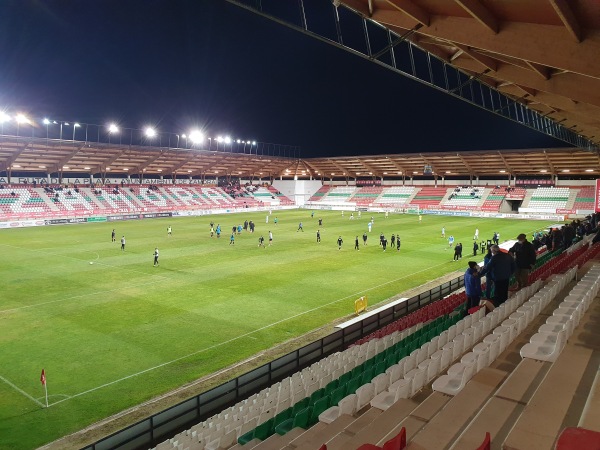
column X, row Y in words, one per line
column 507, row 321
column 549, row 198
column 551, row 338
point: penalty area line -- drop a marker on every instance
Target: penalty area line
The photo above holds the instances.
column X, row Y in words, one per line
column 22, row 392
column 245, row 335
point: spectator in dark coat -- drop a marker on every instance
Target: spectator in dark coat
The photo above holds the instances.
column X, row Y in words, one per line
column 472, row 285
column 524, row 253
column 502, row 266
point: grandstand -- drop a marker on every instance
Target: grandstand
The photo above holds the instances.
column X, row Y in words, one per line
column 419, row 372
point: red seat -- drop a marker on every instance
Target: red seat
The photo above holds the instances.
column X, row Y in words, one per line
column 486, row 444
column 396, row 443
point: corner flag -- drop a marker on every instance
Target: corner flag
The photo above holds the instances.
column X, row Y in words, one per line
column 43, row 380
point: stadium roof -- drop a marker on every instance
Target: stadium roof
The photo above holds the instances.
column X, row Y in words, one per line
column 51, row 156
column 544, row 53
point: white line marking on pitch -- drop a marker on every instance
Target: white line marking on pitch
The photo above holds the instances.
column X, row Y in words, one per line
column 241, row 336
column 79, row 296
column 45, row 252
column 21, row 391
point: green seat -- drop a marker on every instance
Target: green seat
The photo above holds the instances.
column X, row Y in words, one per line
column 353, row 385
column 316, row 396
column 379, row 368
column 302, row 404
column 299, row 420
column 367, row 376
column 344, row 378
column 318, row 408
column 264, row 430
column 283, row 416
column 331, row 386
column 338, row 394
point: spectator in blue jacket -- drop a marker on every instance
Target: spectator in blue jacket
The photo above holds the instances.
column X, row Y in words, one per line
column 501, row 266
column 472, row 285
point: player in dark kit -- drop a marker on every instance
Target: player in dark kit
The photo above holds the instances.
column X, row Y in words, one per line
column 364, row 238
column 112, row 235
column 318, row 235
column 156, row 257
column 356, row 245
column 384, row 243
column 392, row 240
column 340, row 242
column 320, row 222
column 261, row 241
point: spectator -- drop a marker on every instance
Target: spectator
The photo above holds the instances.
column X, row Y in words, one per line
column 501, row 266
column 524, row 253
column 472, row 285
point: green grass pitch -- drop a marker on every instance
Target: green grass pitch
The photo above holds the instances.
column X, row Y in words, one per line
column 118, row 332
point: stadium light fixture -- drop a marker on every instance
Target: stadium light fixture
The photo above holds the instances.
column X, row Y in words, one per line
column 503, row 171
column 159, row 170
column 415, row 173
column 150, row 132
column 543, row 171
column 196, row 136
column 239, row 141
column 67, row 124
column 66, row 167
column 227, row 140
column 76, row 125
column 42, row 167
column 357, row 173
column 385, row 173
column 46, row 122
column 86, row 168
column 589, row 170
column 113, row 128
column 16, row 166
column 184, row 136
column 108, row 168
column 189, row 171
column 21, row 118
column 253, row 142
column 4, row 117
column 219, row 139
column 566, row 170
column 125, row 169
column 399, row 173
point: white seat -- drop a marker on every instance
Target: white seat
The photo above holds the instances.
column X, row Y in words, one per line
column 458, row 348
column 452, row 385
column 504, row 333
column 544, row 351
column 364, row 395
column 447, row 355
column 396, row 371
column 381, row 382
column 417, row 377
column 483, row 351
column 493, row 340
column 400, row 389
column 347, row 405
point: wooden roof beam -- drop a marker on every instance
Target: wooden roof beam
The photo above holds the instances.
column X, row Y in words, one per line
column 486, row 61
column 524, row 41
column 565, row 13
column 480, row 13
column 542, row 71
column 412, row 10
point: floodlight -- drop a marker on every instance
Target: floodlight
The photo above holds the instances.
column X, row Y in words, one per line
column 238, row 141
column 4, row 117
column 76, row 125
column 113, row 128
column 150, row 132
column 67, row 123
column 227, row 140
column 184, row 136
column 589, row 170
column 219, row 139
column 196, row 136
column 253, row 142
column 46, row 122
column 20, row 118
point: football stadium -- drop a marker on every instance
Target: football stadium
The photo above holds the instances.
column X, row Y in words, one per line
column 194, row 291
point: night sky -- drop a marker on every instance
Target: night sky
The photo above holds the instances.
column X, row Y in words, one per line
column 176, row 64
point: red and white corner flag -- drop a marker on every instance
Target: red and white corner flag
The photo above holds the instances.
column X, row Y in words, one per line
column 43, row 380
